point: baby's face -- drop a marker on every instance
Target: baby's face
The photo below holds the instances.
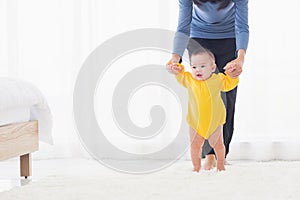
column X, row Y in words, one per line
column 202, row 66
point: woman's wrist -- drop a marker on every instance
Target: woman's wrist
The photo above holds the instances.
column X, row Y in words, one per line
column 241, row 56
column 175, row 58
column 241, row 52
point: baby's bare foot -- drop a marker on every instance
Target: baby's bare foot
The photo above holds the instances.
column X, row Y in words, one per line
column 210, row 162
column 220, row 166
column 196, row 170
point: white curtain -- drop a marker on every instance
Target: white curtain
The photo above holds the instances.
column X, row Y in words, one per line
column 47, row 41
column 268, row 111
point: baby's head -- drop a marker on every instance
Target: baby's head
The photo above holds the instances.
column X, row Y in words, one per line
column 202, row 64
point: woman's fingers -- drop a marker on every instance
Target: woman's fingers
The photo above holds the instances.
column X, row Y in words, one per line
column 235, row 72
column 238, row 71
column 169, row 66
column 233, row 69
column 230, row 66
column 174, row 68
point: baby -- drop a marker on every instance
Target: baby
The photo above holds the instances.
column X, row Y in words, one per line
column 206, row 110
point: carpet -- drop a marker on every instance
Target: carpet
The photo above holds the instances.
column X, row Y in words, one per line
column 242, row 180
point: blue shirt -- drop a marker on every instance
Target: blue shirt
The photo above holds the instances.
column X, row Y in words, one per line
column 206, row 21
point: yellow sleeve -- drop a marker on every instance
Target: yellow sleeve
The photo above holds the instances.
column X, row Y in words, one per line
column 182, row 77
column 228, row 83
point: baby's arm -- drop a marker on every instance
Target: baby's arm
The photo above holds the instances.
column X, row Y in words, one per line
column 228, row 83
column 178, row 70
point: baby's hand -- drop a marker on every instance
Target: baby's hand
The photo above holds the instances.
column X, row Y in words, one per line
column 174, row 68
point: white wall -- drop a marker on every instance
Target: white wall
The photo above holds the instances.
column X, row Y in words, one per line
column 46, row 42
column 268, row 98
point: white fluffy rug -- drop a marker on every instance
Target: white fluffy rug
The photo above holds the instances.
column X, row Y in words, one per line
column 242, row 180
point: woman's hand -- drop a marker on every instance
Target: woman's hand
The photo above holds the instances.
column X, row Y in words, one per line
column 174, row 68
column 234, row 67
column 173, row 65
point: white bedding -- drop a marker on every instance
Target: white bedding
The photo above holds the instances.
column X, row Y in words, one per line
column 14, row 115
column 21, row 101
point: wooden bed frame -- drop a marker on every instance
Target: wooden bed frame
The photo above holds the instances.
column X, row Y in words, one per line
column 20, row 139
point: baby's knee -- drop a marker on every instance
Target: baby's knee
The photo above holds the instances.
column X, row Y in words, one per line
column 198, row 141
column 196, row 145
column 219, row 145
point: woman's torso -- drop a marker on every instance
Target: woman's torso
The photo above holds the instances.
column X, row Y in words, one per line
column 210, row 22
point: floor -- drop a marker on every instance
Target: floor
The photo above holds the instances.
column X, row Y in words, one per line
column 9, row 170
column 246, row 176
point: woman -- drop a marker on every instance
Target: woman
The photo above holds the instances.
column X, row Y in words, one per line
column 222, row 27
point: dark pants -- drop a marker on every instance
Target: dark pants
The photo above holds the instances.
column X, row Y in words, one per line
column 224, row 51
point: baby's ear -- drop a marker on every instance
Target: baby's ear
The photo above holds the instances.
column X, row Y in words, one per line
column 214, row 67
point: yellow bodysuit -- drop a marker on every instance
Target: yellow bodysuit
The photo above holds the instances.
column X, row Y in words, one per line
column 206, row 110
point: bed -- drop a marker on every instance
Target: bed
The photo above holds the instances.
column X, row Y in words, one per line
column 25, row 120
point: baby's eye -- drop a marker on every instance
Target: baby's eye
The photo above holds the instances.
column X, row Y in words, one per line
column 202, row 66
column 194, row 67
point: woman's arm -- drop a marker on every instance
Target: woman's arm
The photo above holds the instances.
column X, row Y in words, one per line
column 182, row 34
column 241, row 25
column 242, row 38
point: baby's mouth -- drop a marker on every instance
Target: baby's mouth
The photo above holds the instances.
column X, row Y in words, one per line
column 199, row 75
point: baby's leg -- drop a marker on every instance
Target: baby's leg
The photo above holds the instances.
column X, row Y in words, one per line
column 196, row 149
column 216, row 141
column 220, row 153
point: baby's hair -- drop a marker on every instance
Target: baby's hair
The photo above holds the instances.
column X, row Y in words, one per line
column 203, row 51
